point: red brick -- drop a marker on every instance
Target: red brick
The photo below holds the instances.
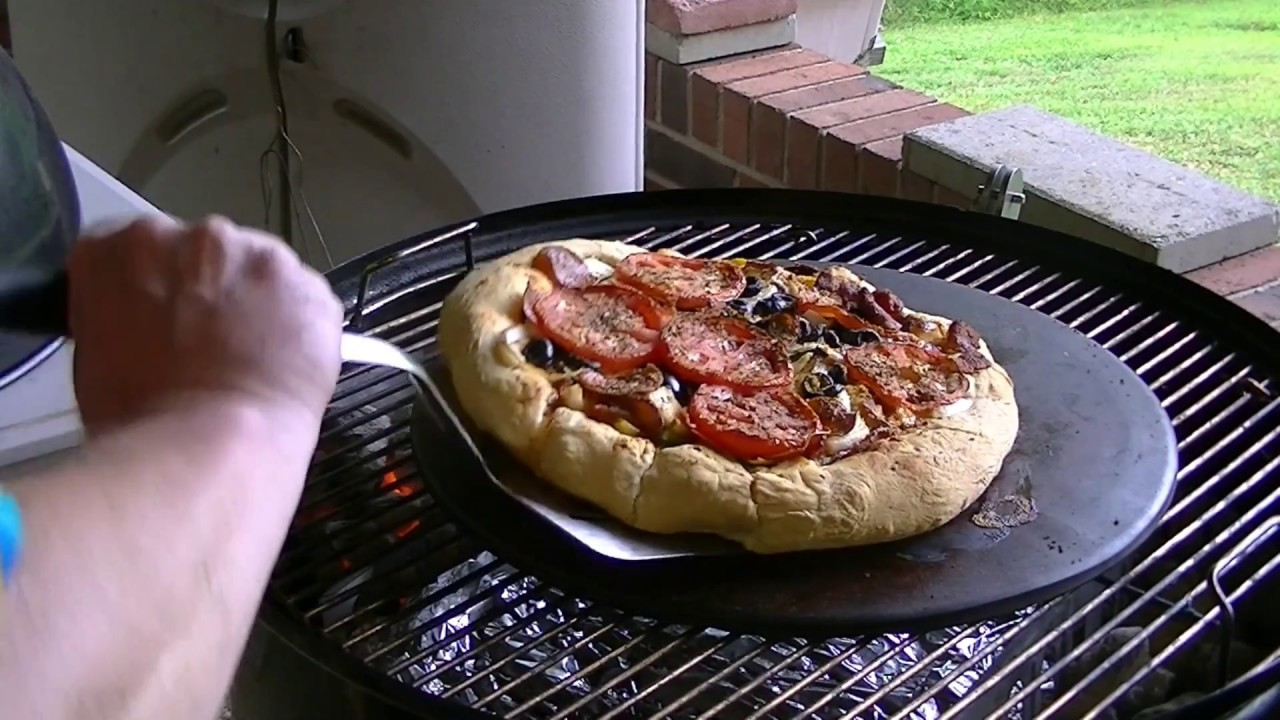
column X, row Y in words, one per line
column 706, row 79
column 839, row 165
column 685, row 166
column 704, row 111
column 723, row 71
column 1240, row 273
column 737, row 95
column 805, row 128
column 899, row 123
column 673, row 94
column 914, row 187
column 650, row 87
column 757, row 87
column 735, row 127
column 799, row 152
column 878, row 165
column 680, row 17
column 863, row 108
column 794, row 101
column 768, row 129
column 951, row 198
column 803, row 149
column 1263, row 303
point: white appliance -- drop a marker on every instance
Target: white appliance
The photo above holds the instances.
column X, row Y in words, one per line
column 407, row 114
column 38, row 413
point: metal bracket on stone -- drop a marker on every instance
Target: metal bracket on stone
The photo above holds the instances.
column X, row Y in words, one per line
column 1002, row 194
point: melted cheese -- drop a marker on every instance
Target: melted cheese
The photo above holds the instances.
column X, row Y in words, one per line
column 667, row 405
column 836, row 444
column 959, row 407
column 599, row 268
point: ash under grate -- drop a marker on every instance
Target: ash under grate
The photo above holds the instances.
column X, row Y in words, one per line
column 375, row 566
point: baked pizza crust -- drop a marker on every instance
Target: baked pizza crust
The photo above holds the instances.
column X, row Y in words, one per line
column 909, row 484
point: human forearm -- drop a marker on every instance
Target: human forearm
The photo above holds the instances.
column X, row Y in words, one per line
column 145, row 563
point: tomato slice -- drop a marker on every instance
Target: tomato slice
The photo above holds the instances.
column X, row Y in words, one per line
column 635, row 382
column 530, row 303
column 613, row 326
column 686, row 283
column 849, row 321
column 724, row 351
column 564, row 267
column 769, row 424
column 906, row 375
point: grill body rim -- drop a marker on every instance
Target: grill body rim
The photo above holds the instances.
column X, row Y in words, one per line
column 616, row 215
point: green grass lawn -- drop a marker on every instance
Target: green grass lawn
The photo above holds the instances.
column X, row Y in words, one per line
column 1193, row 81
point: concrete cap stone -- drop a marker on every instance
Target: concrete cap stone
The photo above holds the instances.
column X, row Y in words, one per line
column 692, row 17
column 1085, row 184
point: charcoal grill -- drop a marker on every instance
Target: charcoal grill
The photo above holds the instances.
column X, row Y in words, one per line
column 381, row 607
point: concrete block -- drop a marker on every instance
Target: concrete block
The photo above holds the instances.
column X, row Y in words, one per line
column 1082, row 183
column 687, row 49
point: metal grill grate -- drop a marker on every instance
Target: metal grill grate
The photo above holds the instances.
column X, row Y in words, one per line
column 376, row 567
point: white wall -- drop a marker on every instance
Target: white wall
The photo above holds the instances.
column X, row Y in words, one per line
column 842, row 29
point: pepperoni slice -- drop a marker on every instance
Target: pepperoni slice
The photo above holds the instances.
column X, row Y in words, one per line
column 530, row 303
column 770, row 424
column 635, row 382
column 839, row 316
column 613, row 326
column 905, row 375
column 686, row 283
column 724, row 350
column 564, row 267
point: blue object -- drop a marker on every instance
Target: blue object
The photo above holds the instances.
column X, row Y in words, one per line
column 10, row 536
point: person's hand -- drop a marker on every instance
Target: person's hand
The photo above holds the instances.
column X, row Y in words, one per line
column 166, row 315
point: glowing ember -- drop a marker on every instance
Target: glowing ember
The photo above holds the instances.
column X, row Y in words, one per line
column 392, row 483
column 389, row 480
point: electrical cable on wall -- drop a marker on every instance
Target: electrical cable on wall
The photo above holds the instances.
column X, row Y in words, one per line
column 284, row 151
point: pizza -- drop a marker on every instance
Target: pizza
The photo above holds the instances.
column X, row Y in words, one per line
column 785, row 407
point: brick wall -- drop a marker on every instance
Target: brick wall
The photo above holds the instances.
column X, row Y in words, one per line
column 788, row 117
column 793, row 118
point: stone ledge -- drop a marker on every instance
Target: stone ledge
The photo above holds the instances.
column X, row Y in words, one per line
column 687, row 49
column 703, row 119
column 1094, row 187
column 693, row 17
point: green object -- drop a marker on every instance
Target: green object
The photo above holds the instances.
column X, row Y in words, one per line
column 1192, row 82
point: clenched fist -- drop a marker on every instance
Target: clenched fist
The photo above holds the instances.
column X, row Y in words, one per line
column 166, row 315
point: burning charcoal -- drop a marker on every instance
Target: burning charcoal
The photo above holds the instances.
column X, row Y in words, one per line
column 1149, row 692
column 1152, row 713
column 1134, row 661
column 1256, row 616
column 1197, row 668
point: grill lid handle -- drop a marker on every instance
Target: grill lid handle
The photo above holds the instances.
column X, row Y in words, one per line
column 1002, row 195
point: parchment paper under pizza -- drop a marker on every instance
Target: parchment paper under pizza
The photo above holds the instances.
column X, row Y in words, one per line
column 785, row 408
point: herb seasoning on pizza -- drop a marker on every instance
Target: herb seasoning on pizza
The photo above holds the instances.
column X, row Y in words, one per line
column 784, row 407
